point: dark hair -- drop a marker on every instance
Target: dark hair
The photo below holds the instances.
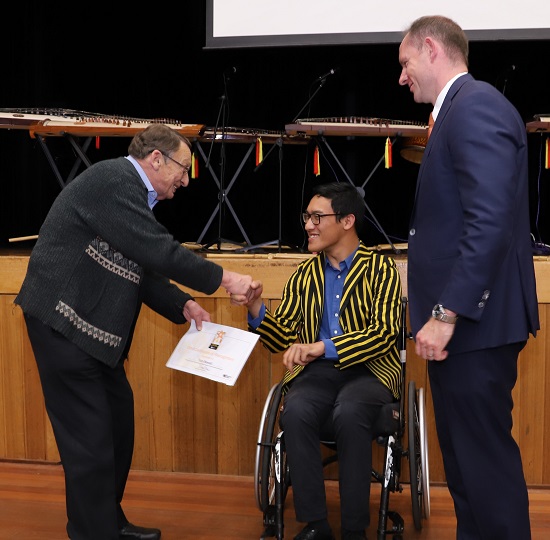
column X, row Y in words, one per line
column 443, row 29
column 156, row 137
column 345, row 199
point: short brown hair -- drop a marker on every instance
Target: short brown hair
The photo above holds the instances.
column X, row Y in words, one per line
column 156, row 137
column 445, row 30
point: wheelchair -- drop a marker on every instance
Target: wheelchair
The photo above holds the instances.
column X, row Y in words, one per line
column 273, row 477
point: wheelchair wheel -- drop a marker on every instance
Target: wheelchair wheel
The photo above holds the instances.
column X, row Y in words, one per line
column 425, row 465
column 268, row 457
column 415, row 463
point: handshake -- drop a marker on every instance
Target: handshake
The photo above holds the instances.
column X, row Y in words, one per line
column 243, row 289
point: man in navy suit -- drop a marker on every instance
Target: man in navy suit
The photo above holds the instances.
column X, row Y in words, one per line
column 471, row 282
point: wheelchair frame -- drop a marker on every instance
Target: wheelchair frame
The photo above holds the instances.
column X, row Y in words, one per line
column 272, row 477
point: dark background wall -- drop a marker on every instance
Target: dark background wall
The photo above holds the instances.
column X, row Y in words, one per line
column 153, row 65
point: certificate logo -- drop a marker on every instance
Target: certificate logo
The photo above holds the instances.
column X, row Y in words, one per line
column 217, row 341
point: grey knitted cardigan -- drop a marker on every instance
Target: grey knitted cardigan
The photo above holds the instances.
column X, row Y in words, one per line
column 100, row 253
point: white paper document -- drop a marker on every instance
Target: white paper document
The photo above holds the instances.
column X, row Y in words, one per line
column 217, row 352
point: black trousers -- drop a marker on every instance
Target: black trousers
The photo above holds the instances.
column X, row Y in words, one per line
column 350, row 400
column 91, row 409
column 472, row 397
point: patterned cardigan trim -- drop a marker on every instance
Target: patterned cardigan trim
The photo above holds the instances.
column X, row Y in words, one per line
column 86, row 328
column 113, row 260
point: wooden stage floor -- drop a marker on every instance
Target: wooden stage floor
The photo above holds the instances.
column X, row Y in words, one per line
column 203, row 507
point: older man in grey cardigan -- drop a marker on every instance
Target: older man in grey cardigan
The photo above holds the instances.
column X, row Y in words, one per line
column 100, row 255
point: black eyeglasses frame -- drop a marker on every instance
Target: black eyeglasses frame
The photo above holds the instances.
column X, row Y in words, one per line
column 316, row 217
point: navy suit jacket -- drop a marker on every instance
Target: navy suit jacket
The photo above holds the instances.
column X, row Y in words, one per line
column 469, row 245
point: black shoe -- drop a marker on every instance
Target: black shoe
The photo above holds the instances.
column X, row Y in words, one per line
column 353, row 535
column 311, row 533
column 134, row 532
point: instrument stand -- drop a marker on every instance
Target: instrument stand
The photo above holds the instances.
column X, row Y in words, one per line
column 81, row 153
column 223, row 200
column 279, row 242
column 362, row 188
column 222, row 195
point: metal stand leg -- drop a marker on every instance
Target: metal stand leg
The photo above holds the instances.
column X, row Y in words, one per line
column 279, row 241
column 82, row 157
column 324, row 141
column 224, row 199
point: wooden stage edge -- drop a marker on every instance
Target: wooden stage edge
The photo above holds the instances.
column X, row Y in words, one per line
column 272, row 268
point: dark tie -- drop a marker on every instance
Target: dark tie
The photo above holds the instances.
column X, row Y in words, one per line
column 430, row 125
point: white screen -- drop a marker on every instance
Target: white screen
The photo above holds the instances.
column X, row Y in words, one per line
column 248, row 23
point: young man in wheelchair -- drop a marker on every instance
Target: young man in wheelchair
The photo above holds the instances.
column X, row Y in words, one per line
column 338, row 323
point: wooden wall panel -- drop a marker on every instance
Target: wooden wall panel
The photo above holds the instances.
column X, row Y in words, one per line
column 13, row 373
column 531, row 414
column 543, row 446
column 190, row 424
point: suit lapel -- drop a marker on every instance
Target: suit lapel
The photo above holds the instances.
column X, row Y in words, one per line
column 445, row 107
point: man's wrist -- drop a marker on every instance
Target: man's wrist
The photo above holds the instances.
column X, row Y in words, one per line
column 444, row 315
column 256, row 316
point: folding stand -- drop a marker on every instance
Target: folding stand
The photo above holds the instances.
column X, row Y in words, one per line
column 80, row 150
column 362, row 188
column 223, row 197
column 279, row 241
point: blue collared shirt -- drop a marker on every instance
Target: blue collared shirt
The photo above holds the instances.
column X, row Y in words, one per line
column 334, row 286
column 151, row 193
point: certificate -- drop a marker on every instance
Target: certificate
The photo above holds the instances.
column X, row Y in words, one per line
column 217, row 352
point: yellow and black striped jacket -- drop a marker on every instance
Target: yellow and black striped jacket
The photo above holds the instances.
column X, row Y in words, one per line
column 370, row 315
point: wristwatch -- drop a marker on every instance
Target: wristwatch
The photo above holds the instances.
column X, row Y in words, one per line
column 440, row 314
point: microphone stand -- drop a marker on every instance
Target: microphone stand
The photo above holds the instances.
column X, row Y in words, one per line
column 361, row 189
column 279, row 144
column 222, row 113
column 322, row 81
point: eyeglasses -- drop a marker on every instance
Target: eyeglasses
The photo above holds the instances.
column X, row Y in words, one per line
column 185, row 169
column 315, row 218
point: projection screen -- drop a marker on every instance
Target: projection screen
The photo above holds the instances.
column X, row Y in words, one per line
column 259, row 23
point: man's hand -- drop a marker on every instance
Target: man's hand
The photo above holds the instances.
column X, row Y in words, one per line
column 235, row 283
column 253, row 300
column 193, row 311
column 301, row 354
column 432, row 339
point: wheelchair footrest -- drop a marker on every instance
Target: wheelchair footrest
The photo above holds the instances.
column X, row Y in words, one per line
column 269, row 532
column 398, row 525
column 273, row 525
